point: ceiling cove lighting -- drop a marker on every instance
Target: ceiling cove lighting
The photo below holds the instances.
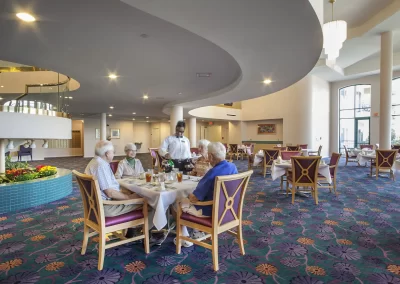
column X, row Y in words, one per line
column 112, row 76
column 267, row 81
column 335, row 33
column 26, row 17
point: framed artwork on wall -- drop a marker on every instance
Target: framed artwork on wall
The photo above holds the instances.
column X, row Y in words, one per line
column 97, row 133
column 115, row 133
column 266, row 129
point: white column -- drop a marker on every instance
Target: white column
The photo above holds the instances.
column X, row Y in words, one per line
column 193, row 132
column 176, row 115
column 2, row 155
column 385, row 116
column 103, row 126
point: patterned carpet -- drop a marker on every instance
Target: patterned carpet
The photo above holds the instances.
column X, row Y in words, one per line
column 352, row 238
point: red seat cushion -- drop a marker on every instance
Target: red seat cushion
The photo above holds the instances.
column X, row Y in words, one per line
column 130, row 216
column 202, row 221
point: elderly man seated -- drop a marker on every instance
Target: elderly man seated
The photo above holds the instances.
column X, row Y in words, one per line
column 130, row 166
column 99, row 167
column 205, row 189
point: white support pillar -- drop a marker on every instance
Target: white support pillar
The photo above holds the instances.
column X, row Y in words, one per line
column 385, row 116
column 193, row 132
column 176, row 115
column 2, row 155
column 103, row 126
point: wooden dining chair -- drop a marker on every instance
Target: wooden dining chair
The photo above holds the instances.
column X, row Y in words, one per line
column 250, row 161
column 349, row 156
column 229, row 192
column 366, row 146
column 95, row 220
column 303, row 146
column 384, row 162
column 269, row 156
column 293, row 148
column 280, row 148
column 194, row 150
column 287, row 155
column 114, row 166
column 304, row 173
column 396, row 147
column 333, row 167
column 234, row 151
column 316, row 153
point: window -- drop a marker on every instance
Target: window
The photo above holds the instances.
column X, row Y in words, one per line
column 354, row 115
column 395, row 134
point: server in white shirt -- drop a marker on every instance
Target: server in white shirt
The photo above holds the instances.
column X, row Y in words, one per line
column 177, row 147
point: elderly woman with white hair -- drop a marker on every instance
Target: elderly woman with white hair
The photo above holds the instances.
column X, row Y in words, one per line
column 202, row 164
column 130, row 166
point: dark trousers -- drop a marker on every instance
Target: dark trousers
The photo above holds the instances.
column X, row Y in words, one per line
column 180, row 164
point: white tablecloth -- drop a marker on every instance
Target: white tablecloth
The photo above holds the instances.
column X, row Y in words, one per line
column 159, row 200
column 259, row 157
column 278, row 170
column 364, row 158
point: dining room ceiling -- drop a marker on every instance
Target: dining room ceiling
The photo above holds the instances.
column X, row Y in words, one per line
column 162, row 49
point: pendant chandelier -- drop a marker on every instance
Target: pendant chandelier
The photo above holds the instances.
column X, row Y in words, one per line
column 335, row 33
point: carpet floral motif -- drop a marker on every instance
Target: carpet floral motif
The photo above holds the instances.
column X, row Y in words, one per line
column 351, row 238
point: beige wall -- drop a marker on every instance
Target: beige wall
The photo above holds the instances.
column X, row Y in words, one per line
column 251, row 129
column 303, row 107
column 374, row 81
column 130, row 132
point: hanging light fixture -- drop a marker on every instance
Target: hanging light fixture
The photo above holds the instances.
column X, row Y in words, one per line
column 10, row 144
column 335, row 33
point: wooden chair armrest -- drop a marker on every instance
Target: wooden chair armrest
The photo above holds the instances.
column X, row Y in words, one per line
column 124, row 202
column 333, row 166
column 203, row 203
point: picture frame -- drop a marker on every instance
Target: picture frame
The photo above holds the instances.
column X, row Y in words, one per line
column 114, row 133
column 97, row 133
column 266, row 129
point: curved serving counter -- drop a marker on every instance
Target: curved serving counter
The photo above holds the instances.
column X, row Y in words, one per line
column 21, row 195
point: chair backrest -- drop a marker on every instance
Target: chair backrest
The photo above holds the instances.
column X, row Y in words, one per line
column 346, row 151
column 22, row 149
column 252, row 148
column 319, row 150
column 305, row 170
column 153, row 153
column 293, row 148
column 385, row 158
column 280, row 148
column 91, row 198
column 229, row 194
column 114, row 166
column 303, row 146
column 396, row 147
column 335, row 158
column 194, row 150
column 226, row 146
column 365, row 146
column 250, row 159
column 234, row 148
column 287, row 155
column 269, row 156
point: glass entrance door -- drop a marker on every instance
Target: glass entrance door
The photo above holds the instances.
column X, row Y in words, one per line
column 362, row 131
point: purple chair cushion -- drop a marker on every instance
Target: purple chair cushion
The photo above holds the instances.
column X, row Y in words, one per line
column 202, row 221
column 130, row 216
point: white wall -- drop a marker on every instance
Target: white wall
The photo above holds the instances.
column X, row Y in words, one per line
column 302, row 107
column 130, row 132
column 31, row 126
column 216, row 112
column 374, row 81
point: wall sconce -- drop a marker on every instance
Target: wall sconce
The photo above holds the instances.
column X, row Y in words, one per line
column 45, row 144
column 33, row 145
column 10, row 144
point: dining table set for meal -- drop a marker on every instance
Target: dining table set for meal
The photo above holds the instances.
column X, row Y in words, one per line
column 161, row 190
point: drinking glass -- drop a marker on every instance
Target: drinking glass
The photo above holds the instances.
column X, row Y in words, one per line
column 149, row 175
column 179, row 176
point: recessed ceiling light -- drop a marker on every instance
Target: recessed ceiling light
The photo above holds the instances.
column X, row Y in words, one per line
column 267, row 81
column 112, row 76
column 1, row 86
column 133, row 119
column 41, row 84
column 145, row 97
column 1, row 98
column 203, row 75
column 111, row 107
column 147, row 121
column 110, row 115
column 70, row 98
column 133, row 112
column 179, row 93
column 65, row 97
column 26, row 17
column 60, row 96
column 147, row 117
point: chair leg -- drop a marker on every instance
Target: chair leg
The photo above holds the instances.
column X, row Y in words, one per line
column 240, row 239
column 102, row 249
column 264, row 171
column 347, row 160
column 146, row 234
column 214, row 251
column 178, row 234
column 377, row 172
column 316, row 194
column 85, row 239
column 293, row 193
column 334, row 186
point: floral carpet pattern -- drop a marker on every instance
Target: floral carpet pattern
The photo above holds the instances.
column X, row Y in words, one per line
column 351, row 238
